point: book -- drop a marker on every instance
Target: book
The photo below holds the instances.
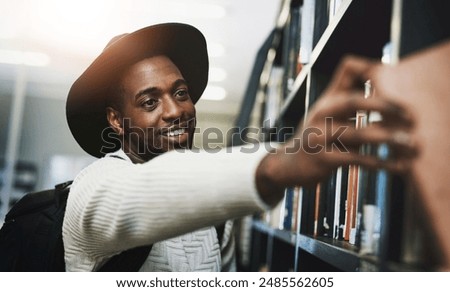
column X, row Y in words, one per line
column 307, row 30
column 291, row 47
column 333, row 8
column 325, row 207
column 273, row 218
column 374, row 188
column 340, row 203
column 358, row 183
column 350, row 202
column 337, row 203
column 330, row 195
column 370, row 211
column 296, row 209
column 273, row 98
column 288, row 209
column 316, row 209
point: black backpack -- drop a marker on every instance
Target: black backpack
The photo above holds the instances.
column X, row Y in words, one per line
column 31, row 237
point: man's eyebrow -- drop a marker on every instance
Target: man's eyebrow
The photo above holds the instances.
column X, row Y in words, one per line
column 179, row 82
column 149, row 90
column 146, row 91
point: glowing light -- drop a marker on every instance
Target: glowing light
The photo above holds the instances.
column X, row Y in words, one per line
column 214, row 93
column 7, row 32
column 217, row 74
column 194, row 10
column 71, row 25
column 215, row 49
column 26, row 58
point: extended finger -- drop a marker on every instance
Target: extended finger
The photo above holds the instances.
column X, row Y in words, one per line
column 346, row 106
column 400, row 165
column 401, row 143
column 374, row 134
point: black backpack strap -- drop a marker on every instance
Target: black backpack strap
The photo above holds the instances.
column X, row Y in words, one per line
column 127, row 261
column 62, row 192
column 57, row 262
column 220, row 229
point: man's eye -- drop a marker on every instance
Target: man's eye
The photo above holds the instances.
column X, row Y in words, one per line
column 182, row 93
column 150, row 103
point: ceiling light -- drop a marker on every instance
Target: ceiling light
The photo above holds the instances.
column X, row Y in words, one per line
column 7, row 32
column 215, row 49
column 79, row 26
column 217, row 74
column 26, row 58
column 192, row 9
column 214, row 93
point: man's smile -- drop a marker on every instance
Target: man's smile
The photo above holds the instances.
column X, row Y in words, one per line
column 174, row 132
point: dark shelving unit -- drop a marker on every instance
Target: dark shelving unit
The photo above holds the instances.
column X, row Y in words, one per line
column 363, row 28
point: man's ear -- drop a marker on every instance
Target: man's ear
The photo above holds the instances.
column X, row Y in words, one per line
column 114, row 120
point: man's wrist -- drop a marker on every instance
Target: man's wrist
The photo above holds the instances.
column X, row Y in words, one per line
column 269, row 189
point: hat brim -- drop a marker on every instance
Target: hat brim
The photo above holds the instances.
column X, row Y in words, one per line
column 86, row 102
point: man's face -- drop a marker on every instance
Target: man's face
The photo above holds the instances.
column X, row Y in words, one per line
column 157, row 113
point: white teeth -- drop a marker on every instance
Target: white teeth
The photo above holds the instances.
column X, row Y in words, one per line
column 177, row 132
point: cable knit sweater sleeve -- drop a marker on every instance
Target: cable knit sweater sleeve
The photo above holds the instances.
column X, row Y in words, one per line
column 115, row 205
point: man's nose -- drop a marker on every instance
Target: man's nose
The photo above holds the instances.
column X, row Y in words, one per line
column 172, row 110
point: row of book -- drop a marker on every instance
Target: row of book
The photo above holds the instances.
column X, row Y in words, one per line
column 353, row 203
column 347, row 206
column 398, row 219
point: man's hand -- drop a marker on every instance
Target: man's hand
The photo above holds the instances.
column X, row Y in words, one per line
column 328, row 138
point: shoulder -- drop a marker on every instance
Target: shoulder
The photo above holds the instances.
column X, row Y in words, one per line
column 96, row 176
column 103, row 166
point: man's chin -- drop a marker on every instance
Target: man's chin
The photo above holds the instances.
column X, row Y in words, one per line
column 182, row 142
column 179, row 147
column 172, row 147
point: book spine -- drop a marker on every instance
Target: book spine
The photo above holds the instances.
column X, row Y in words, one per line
column 339, row 205
column 337, row 202
column 288, row 209
column 292, row 50
column 330, row 209
column 316, row 209
column 296, row 209
column 273, row 97
column 370, row 233
column 360, row 182
column 307, row 30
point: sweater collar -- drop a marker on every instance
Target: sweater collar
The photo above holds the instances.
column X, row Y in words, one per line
column 119, row 154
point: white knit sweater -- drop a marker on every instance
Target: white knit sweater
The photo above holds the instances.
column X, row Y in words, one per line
column 170, row 202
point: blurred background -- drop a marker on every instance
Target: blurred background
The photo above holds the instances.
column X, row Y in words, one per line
column 45, row 45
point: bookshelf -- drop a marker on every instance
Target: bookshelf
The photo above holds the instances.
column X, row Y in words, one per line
column 315, row 230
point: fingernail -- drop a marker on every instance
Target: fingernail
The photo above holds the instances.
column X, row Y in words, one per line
column 402, row 138
column 401, row 112
column 395, row 108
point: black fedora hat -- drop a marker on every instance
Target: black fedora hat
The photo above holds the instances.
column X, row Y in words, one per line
column 85, row 107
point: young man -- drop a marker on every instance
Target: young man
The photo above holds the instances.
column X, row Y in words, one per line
column 136, row 103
